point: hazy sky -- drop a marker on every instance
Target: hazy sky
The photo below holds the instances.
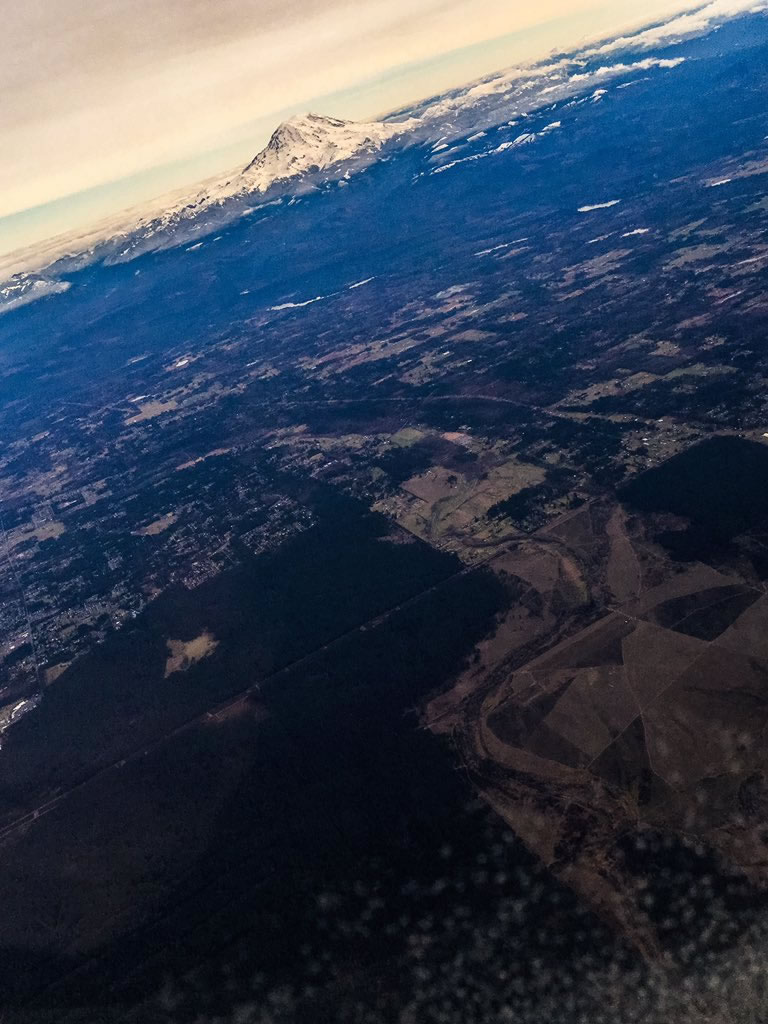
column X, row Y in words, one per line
column 154, row 93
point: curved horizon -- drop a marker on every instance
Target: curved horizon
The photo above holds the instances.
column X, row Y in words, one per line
column 83, row 185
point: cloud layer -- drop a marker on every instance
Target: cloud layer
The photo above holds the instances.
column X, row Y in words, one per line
column 95, row 91
column 684, row 26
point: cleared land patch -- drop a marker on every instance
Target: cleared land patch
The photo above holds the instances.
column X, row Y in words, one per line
column 183, row 654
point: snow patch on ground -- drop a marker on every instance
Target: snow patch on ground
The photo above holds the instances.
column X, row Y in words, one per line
column 297, row 305
column 599, row 206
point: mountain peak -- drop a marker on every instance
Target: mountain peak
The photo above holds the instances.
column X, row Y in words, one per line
column 298, row 130
column 309, row 142
column 312, row 120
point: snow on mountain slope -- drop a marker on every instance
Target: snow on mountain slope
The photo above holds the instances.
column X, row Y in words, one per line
column 313, row 142
column 515, row 94
column 26, row 288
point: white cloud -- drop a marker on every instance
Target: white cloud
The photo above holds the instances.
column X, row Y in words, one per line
column 682, row 27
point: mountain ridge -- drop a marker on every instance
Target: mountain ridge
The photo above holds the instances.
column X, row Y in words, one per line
column 308, row 151
column 305, row 151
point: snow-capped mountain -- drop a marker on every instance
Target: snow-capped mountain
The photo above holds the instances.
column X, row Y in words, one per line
column 307, row 150
column 303, row 154
column 310, row 143
column 310, row 151
column 23, row 288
